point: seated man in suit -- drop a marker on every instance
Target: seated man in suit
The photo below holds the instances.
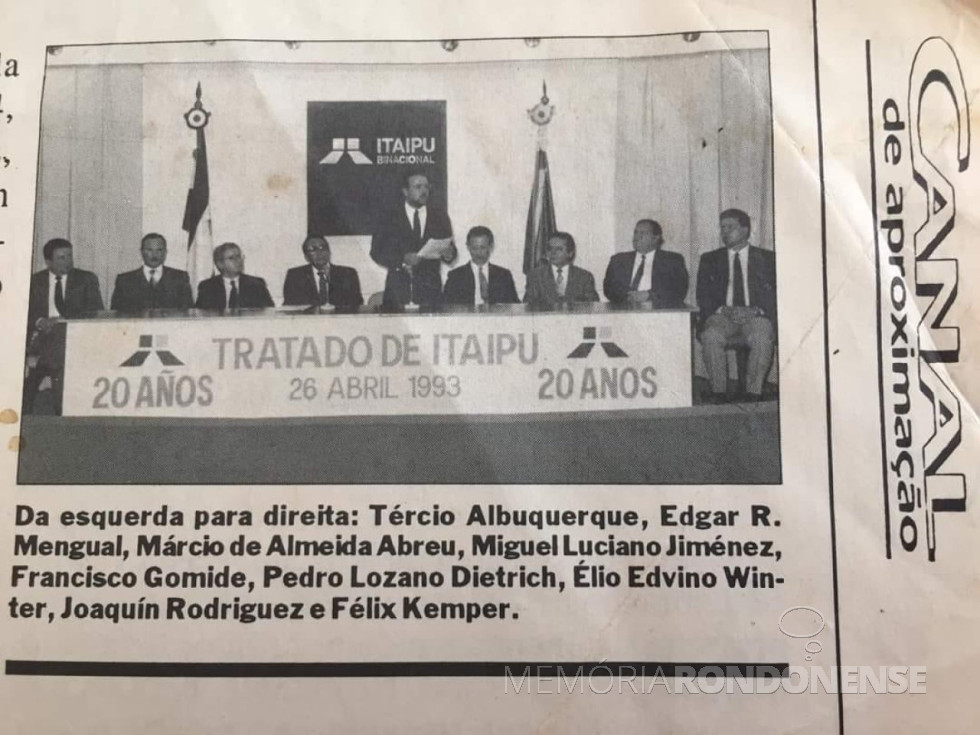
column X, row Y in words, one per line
column 398, row 237
column 480, row 282
column 736, row 294
column 321, row 282
column 648, row 273
column 154, row 286
column 558, row 282
column 60, row 291
column 232, row 289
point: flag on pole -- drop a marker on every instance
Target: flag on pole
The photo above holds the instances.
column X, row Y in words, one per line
column 197, row 213
column 541, row 212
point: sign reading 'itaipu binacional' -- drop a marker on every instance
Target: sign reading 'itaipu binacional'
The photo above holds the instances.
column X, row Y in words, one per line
column 277, row 365
column 357, row 154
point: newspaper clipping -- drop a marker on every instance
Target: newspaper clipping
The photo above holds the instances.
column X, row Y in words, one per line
column 559, row 368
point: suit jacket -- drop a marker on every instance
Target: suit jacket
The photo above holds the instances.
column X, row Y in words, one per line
column 133, row 293
column 301, row 288
column 82, row 295
column 252, row 293
column 461, row 285
column 393, row 238
column 669, row 278
column 713, row 282
column 542, row 292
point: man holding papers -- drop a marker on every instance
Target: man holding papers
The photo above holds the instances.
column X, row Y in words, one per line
column 410, row 242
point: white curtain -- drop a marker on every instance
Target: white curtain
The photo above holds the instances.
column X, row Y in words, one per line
column 694, row 137
column 674, row 138
column 90, row 180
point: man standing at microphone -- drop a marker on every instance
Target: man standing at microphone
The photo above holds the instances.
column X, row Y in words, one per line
column 399, row 237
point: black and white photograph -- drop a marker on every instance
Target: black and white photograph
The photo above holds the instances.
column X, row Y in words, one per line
column 474, row 367
column 474, row 262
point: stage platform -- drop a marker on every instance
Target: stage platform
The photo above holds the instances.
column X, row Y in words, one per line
column 728, row 444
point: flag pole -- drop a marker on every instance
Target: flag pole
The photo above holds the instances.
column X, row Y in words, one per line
column 541, row 210
column 197, row 214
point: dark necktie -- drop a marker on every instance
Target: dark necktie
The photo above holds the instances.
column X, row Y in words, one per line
column 153, row 277
column 59, row 296
column 738, row 284
column 484, row 287
column 233, row 296
column 417, row 227
column 560, row 283
column 635, row 284
column 323, row 287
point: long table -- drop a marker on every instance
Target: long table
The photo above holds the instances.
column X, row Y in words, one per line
column 504, row 394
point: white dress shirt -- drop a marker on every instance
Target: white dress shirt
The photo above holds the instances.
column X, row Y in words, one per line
column 477, row 297
column 157, row 273
column 564, row 275
column 743, row 256
column 410, row 213
column 646, row 281
column 316, row 278
column 52, row 282
column 238, row 287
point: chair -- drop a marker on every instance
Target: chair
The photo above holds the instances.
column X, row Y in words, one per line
column 375, row 300
column 741, row 354
column 741, row 365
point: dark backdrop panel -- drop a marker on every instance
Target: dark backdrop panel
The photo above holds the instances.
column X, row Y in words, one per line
column 357, row 153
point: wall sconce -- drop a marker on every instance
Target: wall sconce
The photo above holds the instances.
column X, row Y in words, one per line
column 292, row 45
column 532, row 42
column 690, row 37
column 449, row 45
column 55, row 50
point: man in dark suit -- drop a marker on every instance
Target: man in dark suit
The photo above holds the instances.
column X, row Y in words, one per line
column 398, row 237
column 321, row 282
column 231, row 288
column 558, row 282
column 153, row 286
column 736, row 295
column 60, row 291
column 480, row 282
column 648, row 273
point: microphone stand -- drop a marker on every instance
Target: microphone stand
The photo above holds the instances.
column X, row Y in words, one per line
column 326, row 307
column 411, row 305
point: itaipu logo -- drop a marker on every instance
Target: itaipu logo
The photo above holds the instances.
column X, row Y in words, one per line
column 341, row 147
column 148, row 345
column 388, row 151
column 140, row 392
column 591, row 336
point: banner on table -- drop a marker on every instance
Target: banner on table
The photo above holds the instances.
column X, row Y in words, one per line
column 303, row 365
